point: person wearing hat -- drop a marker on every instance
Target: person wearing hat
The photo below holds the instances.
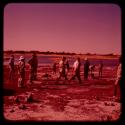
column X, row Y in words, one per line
column 11, row 67
column 86, row 68
column 21, row 71
column 76, row 68
column 62, row 69
column 33, row 67
column 118, row 78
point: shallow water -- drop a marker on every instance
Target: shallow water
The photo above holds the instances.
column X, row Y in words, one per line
column 49, row 60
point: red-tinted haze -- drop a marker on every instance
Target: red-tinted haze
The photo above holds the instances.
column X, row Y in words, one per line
column 81, row 28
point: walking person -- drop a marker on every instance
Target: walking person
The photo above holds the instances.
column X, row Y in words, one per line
column 86, row 68
column 76, row 68
column 100, row 68
column 118, row 79
column 33, row 67
column 62, row 69
column 11, row 67
column 21, row 71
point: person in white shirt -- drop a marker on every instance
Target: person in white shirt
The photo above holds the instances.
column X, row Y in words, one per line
column 21, row 71
column 118, row 78
column 76, row 69
column 62, row 69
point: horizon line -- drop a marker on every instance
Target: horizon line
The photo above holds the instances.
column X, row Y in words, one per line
column 91, row 53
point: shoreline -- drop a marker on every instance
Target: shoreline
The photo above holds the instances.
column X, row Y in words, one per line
column 82, row 56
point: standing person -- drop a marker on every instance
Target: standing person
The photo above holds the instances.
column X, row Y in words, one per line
column 118, row 78
column 62, row 69
column 86, row 68
column 33, row 67
column 54, row 67
column 100, row 68
column 67, row 65
column 76, row 68
column 11, row 67
column 21, row 71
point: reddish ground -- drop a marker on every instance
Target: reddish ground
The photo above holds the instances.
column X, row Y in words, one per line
column 90, row 101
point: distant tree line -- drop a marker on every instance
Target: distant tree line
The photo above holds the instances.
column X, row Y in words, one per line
column 57, row 53
column 38, row 52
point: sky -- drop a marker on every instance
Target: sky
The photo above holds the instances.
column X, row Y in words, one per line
column 79, row 28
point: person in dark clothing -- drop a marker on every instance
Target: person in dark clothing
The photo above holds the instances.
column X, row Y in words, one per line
column 67, row 65
column 100, row 68
column 11, row 66
column 54, row 67
column 86, row 68
column 33, row 67
column 76, row 68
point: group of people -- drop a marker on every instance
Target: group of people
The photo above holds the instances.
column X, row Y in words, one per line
column 33, row 62
column 63, row 69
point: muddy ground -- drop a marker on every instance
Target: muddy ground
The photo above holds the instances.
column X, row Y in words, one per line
column 91, row 101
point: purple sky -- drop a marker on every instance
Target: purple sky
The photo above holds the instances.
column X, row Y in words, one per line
column 81, row 28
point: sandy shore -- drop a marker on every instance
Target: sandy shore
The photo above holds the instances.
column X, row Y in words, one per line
column 90, row 101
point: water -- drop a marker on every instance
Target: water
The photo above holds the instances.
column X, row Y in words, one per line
column 49, row 60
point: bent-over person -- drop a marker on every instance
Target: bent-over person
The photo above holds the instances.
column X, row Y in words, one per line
column 92, row 68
